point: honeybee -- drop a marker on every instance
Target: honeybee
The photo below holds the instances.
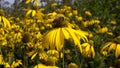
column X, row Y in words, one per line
column 58, row 21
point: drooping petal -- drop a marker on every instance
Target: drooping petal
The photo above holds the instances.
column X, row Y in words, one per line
column 59, row 39
column 47, row 39
column 73, row 36
column 65, row 33
column 117, row 52
column 81, row 34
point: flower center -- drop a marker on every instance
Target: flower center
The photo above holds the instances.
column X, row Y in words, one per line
column 58, row 22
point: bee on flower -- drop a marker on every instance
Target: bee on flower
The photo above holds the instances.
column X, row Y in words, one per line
column 55, row 38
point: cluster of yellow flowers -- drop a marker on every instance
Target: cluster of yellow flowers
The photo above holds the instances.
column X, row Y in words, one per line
column 43, row 36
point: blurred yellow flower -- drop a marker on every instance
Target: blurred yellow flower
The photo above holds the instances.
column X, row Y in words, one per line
column 51, row 61
column 88, row 49
column 31, row 13
column 1, row 12
column 54, row 4
column 36, row 2
column 43, row 56
column 102, row 30
column 54, row 53
column 113, row 22
column 16, row 63
column 75, row 12
column 72, row 65
column 67, row 51
column 109, row 46
column 79, row 18
column 88, row 13
column 44, row 66
column 70, row 14
column 5, row 22
column 1, row 59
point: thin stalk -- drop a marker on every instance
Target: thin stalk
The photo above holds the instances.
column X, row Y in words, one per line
column 77, row 57
column 63, row 58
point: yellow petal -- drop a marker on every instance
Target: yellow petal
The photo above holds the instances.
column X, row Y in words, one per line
column 40, row 66
column 33, row 56
column 80, row 48
column 48, row 39
column 53, row 39
column 27, row 1
column 65, row 33
column 7, row 22
column 92, row 51
column 33, row 13
column 73, row 36
column 117, row 52
column 106, row 45
column 81, row 34
column 87, row 48
column 28, row 12
column 4, row 22
column 112, row 47
column 0, row 19
column 84, row 45
column 59, row 39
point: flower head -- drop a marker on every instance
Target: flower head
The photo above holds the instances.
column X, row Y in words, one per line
column 55, row 37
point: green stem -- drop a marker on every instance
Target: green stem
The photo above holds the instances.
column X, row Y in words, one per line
column 63, row 58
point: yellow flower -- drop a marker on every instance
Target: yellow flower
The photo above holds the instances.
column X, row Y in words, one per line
column 67, row 51
column 85, row 23
column 72, row 65
column 88, row 49
column 3, row 40
column 79, row 18
column 44, row 66
column 36, row 2
column 54, row 53
column 88, row 13
column 1, row 59
column 75, row 12
column 113, row 45
column 117, row 51
column 16, row 63
column 54, row 4
column 5, row 22
column 43, row 56
column 70, row 14
column 103, row 30
column 31, row 13
column 1, row 12
column 51, row 61
column 55, row 37
column 113, row 22
column 108, row 46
